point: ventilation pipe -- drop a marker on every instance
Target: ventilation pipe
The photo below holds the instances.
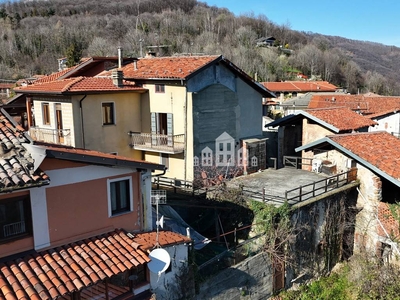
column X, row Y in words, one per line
column 120, row 57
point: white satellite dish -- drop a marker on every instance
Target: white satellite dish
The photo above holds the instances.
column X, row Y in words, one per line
column 160, row 261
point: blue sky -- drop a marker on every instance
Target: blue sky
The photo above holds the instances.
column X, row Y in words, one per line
column 365, row 20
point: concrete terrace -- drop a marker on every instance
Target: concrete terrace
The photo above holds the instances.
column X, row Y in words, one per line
column 271, row 185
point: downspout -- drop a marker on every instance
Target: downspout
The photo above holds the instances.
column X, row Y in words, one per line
column 82, row 127
column 185, row 141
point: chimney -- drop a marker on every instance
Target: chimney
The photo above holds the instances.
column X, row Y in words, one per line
column 117, row 77
column 135, row 65
column 120, row 57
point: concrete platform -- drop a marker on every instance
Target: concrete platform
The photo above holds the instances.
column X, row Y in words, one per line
column 276, row 182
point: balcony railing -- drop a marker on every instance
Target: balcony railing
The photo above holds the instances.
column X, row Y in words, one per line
column 14, row 228
column 48, row 135
column 158, row 142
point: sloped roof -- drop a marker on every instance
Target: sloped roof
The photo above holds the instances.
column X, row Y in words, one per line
column 300, row 86
column 96, row 157
column 342, row 118
column 76, row 85
column 55, row 272
column 87, row 64
column 369, row 105
column 182, row 68
column 171, row 67
column 335, row 119
column 16, row 164
column 378, row 151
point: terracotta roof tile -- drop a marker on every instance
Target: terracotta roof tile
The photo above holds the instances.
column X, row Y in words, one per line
column 378, row 148
column 178, row 67
column 56, row 272
column 342, row 118
column 16, row 163
column 370, row 106
column 78, row 85
column 300, row 86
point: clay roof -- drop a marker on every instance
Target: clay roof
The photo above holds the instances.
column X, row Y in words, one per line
column 79, row 85
column 369, row 105
column 342, row 118
column 172, row 67
column 96, row 157
column 300, row 86
column 379, row 149
column 55, row 272
column 16, row 164
column 87, row 65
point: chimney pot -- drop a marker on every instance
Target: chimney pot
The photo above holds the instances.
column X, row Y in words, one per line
column 120, row 57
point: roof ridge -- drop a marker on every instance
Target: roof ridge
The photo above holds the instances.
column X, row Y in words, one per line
column 70, row 84
column 357, row 133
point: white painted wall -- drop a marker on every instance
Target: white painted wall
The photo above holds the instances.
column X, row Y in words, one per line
column 165, row 286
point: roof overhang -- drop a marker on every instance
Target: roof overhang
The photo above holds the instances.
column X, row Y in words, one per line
column 328, row 141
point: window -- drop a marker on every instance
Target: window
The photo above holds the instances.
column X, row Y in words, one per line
column 15, row 218
column 108, row 113
column 120, row 196
column 46, row 113
column 160, row 88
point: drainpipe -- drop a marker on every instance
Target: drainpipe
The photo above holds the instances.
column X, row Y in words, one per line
column 185, row 139
column 82, row 127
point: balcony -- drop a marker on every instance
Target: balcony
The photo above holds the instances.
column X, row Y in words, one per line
column 48, row 135
column 162, row 143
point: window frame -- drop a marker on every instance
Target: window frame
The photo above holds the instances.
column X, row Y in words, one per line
column 159, row 88
column 46, row 120
column 27, row 219
column 117, row 212
column 104, row 114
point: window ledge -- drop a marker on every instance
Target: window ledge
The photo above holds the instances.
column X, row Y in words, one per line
column 120, row 214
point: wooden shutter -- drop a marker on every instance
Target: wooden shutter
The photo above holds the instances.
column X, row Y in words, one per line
column 170, row 132
column 153, row 128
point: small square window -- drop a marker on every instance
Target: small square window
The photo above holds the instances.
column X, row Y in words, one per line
column 160, row 88
column 46, row 113
column 15, row 218
column 120, row 196
column 108, row 113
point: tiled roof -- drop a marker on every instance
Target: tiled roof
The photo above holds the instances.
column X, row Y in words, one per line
column 300, row 86
column 379, row 149
column 342, row 118
column 78, row 85
column 53, row 273
column 371, row 106
column 171, row 67
column 16, row 164
column 96, row 157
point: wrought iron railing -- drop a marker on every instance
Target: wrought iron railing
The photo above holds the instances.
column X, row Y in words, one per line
column 158, row 142
column 48, row 135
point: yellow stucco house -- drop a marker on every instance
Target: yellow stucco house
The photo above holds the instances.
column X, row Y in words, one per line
column 189, row 113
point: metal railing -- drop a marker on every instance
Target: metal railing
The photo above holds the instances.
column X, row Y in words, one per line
column 14, row 228
column 296, row 161
column 48, row 135
column 158, row 142
column 316, row 188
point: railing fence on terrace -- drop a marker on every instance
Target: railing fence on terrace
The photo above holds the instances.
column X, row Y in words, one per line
column 48, row 135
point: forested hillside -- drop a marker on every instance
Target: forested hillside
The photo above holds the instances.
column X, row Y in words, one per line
column 34, row 34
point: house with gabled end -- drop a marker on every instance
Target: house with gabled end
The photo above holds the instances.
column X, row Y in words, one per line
column 307, row 126
column 161, row 109
column 76, row 223
column 375, row 157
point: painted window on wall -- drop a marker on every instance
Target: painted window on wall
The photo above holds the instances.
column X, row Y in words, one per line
column 120, row 196
column 46, row 113
column 108, row 113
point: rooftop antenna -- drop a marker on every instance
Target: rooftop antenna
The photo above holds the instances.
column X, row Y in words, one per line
column 160, row 258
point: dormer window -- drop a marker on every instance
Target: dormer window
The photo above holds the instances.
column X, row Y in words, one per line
column 15, row 218
column 160, row 88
